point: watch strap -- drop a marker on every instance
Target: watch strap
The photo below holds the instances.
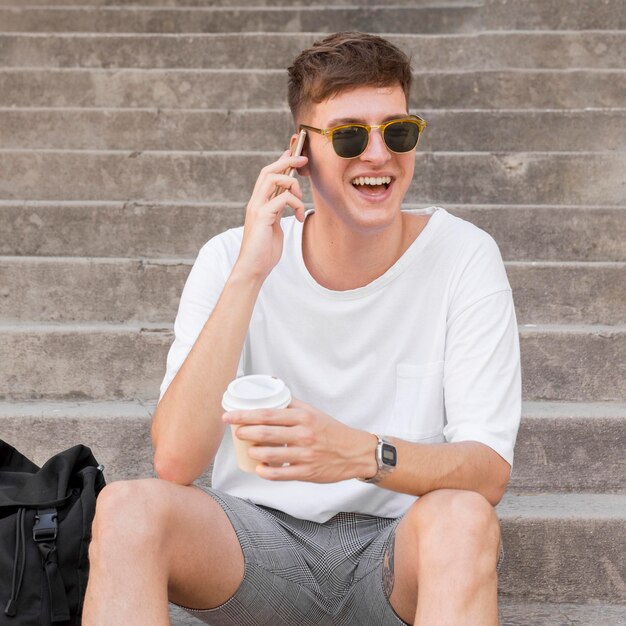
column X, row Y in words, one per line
column 384, row 468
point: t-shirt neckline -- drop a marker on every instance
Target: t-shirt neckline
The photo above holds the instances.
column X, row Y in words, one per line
column 427, row 233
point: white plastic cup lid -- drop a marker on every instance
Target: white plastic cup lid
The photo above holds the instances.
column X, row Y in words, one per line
column 257, row 391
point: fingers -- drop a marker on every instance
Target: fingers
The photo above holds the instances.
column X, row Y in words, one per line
column 275, row 435
column 278, row 183
column 277, row 174
column 270, row 417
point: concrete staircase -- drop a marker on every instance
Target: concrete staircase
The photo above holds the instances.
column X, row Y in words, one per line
column 131, row 134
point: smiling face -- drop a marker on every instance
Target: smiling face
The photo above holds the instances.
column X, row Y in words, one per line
column 365, row 193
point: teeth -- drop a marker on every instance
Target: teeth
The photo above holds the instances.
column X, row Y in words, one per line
column 370, row 180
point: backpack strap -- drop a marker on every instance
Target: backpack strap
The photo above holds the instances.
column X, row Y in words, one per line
column 20, row 551
column 45, row 534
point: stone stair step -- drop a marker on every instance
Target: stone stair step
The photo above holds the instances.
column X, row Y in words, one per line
column 554, row 15
column 83, row 362
column 324, row 18
column 317, row 16
column 235, row 3
column 162, row 230
column 118, row 433
column 562, row 547
column 459, row 177
column 552, row 233
column 580, row 565
column 568, row 362
column 566, row 446
column 561, row 447
column 261, row 129
column 490, row 50
column 206, row 89
column 109, row 290
column 568, row 293
column 127, row 361
column 114, row 290
column 546, row 614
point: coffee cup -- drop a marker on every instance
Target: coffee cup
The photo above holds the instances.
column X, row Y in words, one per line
column 256, row 391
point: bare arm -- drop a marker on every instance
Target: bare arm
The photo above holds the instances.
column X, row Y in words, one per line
column 466, row 465
column 186, row 428
column 322, row 449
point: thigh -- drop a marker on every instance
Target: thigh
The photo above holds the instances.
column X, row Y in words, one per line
column 445, row 511
column 206, row 559
column 278, row 587
column 180, row 529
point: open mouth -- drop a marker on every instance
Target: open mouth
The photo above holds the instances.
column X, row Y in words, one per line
column 371, row 185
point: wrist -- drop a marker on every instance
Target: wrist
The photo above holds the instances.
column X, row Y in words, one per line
column 366, row 444
column 386, row 455
column 241, row 275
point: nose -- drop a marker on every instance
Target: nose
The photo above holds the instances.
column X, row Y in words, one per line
column 376, row 151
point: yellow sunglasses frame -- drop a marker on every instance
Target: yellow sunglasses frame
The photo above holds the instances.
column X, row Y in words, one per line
column 328, row 132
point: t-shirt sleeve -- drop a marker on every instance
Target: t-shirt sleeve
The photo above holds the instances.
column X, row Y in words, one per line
column 202, row 290
column 482, row 373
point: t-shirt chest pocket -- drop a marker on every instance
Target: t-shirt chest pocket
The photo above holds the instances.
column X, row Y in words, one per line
column 418, row 410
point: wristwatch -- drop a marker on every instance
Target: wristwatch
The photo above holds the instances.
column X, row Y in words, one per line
column 386, row 459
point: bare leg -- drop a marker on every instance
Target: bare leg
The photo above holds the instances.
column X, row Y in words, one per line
column 447, row 545
column 154, row 540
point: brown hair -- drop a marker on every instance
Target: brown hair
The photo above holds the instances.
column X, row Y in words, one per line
column 344, row 61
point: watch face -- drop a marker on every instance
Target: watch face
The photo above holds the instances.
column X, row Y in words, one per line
column 389, row 454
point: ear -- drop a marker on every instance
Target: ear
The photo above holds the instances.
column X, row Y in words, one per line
column 302, row 171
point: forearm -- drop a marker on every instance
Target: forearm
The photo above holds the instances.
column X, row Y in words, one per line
column 186, row 428
column 466, row 465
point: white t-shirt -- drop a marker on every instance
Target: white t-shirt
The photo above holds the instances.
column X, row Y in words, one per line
column 427, row 352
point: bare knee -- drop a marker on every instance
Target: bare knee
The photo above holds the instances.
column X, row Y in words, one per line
column 456, row 525
column 129, row 514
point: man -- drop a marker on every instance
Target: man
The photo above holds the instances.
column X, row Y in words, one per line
column 395, row 331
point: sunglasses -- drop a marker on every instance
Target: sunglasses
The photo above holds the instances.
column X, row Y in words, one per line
column 351, row 140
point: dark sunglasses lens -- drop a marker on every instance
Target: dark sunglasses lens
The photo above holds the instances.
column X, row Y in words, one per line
column 350, row 141
column 402, row 136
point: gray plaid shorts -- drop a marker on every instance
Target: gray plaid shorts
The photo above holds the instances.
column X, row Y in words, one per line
column 301, row 573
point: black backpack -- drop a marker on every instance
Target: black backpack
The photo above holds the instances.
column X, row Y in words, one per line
column 45, row 529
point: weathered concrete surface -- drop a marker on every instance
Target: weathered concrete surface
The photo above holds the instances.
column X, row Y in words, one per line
column 579, row 363
column 397, row 19
column 170, row 129
column 119, row 290
column 492, row 50
column 127, row 361
column 544, row 614
column 562, row 547
column 113, row 229
column 118, row 433
column 561, row 447
column 452, row 177
column 494, row 14
column 552, row 233
column 84, row 290
column 554, row 14
column 571, row 447
column 184, row 88
column 236, row 3
column 564, row 293
column 157, row 230
column 103, row 362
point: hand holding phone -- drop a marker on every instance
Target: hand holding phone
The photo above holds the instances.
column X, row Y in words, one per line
column 297, row 151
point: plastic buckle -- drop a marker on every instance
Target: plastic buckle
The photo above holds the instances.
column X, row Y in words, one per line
column 45, row 528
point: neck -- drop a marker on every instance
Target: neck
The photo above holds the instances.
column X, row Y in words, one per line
column 341, row 259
